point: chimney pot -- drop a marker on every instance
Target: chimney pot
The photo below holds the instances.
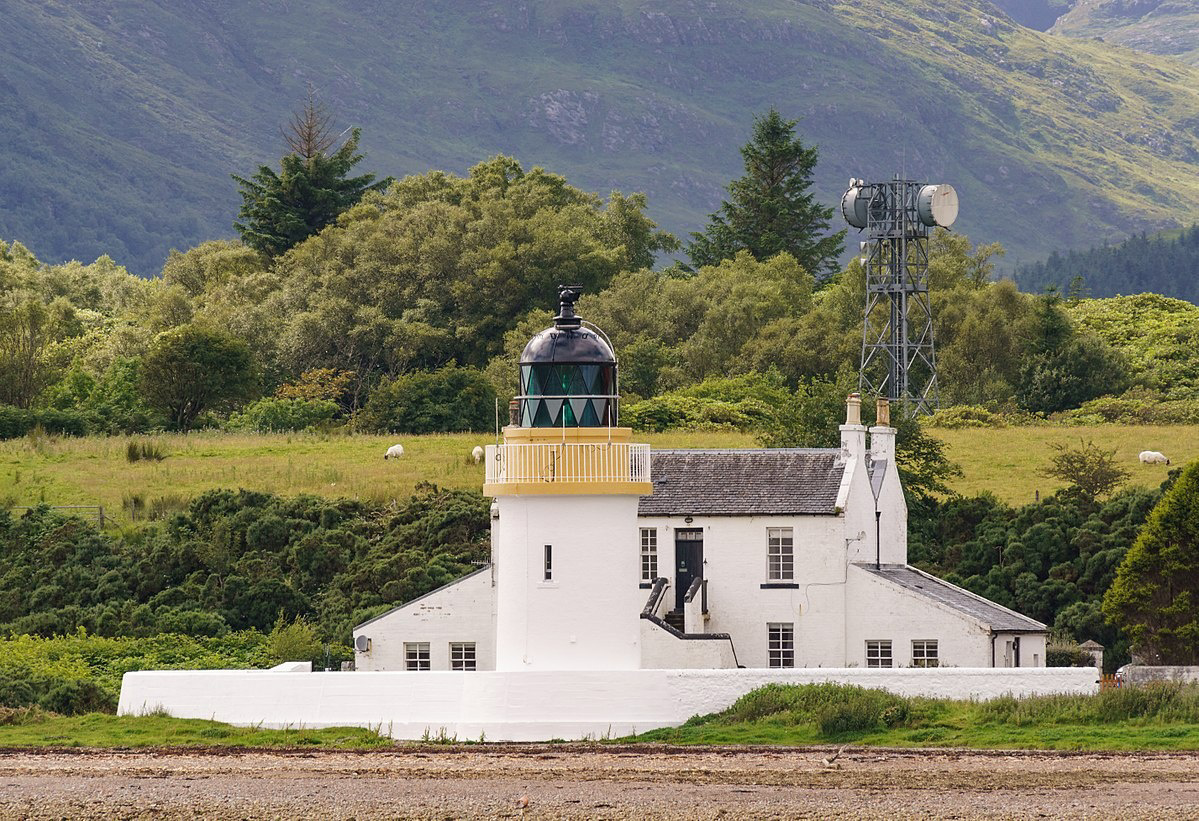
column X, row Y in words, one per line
column 882, row 415
column 853, row 409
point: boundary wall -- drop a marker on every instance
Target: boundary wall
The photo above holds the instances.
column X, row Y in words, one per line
column 534, row 705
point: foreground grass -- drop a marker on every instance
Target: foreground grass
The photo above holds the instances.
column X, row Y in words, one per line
column 94, row 471
column 102, row 730
column 1158, row 717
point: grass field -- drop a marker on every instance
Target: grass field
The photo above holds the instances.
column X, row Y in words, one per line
column 103, row 730
column 94, row 470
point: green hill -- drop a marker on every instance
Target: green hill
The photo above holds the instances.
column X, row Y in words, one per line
column 1167, row 27
column 124, row 120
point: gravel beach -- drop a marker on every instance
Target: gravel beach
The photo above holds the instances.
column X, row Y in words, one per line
column 596, row 781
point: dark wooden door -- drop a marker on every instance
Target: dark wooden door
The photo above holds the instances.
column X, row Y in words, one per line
column 688, row 562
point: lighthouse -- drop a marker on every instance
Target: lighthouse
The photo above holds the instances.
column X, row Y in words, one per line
column 566, row 480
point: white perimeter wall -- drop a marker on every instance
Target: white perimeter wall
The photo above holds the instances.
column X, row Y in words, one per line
column 662, row 650
column 532, row 706
column 461, row 611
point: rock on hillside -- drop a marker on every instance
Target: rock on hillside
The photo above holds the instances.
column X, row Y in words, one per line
column 1167, row 27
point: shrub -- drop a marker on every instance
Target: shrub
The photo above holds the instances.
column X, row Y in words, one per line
column 137, row 450
column 1067, row 657
column 449, row 400
column 18, row 422
column 966, row 416
column 293, row 642
column 273, row 415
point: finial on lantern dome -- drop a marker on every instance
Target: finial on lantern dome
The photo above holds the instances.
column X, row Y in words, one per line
column 567, row 319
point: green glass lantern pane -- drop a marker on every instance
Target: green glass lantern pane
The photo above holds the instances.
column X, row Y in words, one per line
column 526, row 414
column 589, row 373
column 577, row 385
column 527, row 380
column 554, row 410
column 541, row 417
column 592, row 413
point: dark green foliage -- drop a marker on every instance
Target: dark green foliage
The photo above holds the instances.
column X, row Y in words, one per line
column 310, row 190
column 235, row 560
column 1163, row 264
column 772, row 209
column 1067, row 657
column 16, row 422
column 1052, row 560
column 1155, row 595
column 192, row 369
column 137, row 451
column 1062, row 369
column 837, row 710
column 451, row 399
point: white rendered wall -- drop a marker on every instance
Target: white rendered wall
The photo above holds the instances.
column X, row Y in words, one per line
column 887, row 611
column 533, row 706
column 463, row 611
column 735, row 551
column 587, row 617
column 662, row 650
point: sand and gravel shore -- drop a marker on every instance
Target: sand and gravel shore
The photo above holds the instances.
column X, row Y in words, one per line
column 595, row 781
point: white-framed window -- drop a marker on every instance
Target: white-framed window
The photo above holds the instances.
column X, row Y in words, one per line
column 924, row 653
column 780, row 554
column 649, row 554
column 549, row 563
column 416, row 655
column 462, row 655
column 878, row 653
column 780, row 644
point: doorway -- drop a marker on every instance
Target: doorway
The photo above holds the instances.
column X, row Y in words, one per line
column 688, row 561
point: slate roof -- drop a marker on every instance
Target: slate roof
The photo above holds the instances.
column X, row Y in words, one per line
column 774, row 482
column 996, row 617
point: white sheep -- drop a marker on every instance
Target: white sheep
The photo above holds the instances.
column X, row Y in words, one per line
column 1153, row 457
column 477, row 454
column 394, row 452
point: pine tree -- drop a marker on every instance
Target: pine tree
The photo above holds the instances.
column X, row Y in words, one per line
column 281, row 209
column 1155, row 595
column 771, row 208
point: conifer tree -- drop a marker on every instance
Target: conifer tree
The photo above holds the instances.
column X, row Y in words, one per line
column 281, row 209
column 771, row 208
column 1155, row 595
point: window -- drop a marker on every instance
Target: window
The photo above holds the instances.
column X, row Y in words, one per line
column 924, row 653
column 649, row 554
column 549, row 563
column 780, row 642
column 878, row 653
column 780, row 556
column 416, row 655
column 462, row 655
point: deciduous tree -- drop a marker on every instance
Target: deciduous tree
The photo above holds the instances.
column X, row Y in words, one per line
column 192, row 369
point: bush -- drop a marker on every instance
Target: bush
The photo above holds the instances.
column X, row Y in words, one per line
column 139, row 450
column 449, row 400
column 17, row 422
column 966, row 416
column 272, row 415
column 293, row 642
column 835, row 709
column 1067, row 657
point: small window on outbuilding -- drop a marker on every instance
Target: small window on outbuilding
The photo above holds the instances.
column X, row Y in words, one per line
column 924, row 653
column 416, row 655
column 780, row 554
column 549, row 563
column 780, row 642
column 649, row 554
column 878, row 653
column 462, row 655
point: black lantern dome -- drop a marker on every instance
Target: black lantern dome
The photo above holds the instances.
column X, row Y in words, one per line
column 568, row 373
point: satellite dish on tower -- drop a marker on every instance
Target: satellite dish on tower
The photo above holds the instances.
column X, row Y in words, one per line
column 855, row 205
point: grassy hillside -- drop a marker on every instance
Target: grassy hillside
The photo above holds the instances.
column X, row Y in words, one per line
column 94, row 471
column 124, row 120
column 1167, row 27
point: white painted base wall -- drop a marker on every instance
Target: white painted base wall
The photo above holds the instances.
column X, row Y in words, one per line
column 531, row 706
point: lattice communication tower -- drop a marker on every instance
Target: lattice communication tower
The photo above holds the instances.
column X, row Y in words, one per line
column 898, row 358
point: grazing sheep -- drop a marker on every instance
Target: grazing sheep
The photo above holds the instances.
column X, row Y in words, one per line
column 394, row 452
column 477, row 454
column 1153, row 457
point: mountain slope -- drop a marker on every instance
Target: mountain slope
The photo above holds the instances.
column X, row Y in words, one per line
column 126, row 118
column 1166, row 27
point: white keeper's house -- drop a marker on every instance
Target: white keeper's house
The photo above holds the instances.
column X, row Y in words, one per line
column 607, row 557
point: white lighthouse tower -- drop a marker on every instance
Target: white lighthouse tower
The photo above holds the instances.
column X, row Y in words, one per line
column 566, row 481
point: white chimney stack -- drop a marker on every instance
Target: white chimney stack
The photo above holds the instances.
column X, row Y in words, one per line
column 882, row 435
